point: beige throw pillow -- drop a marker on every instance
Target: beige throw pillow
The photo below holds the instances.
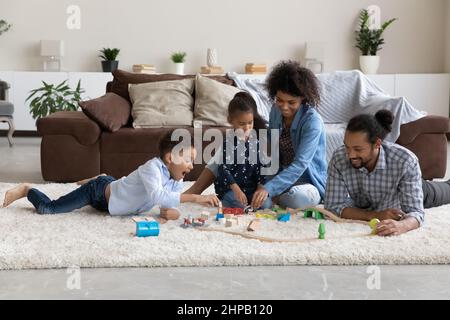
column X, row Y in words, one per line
column 211, row 102
column 162, row 104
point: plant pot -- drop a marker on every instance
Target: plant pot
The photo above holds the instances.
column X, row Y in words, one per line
column 110, row 66
column 179, row 68
column 369, row 64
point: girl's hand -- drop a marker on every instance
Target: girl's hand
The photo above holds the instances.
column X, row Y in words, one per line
column 209, row 200
column 259, row 197
column 241, row 197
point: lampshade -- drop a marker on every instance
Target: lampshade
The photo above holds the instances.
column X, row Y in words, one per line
column 314, row 50
column 52, row 48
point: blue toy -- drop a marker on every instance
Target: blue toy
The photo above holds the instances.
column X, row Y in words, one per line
column 147, row 229
column 220, row 216
column 285, row 217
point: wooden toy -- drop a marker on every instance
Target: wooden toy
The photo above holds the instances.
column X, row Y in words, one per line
column 322, row 231
column 253, row 225
column 205, row 216
column 230, row 223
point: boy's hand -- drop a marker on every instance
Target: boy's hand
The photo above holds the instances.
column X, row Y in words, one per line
column 239, row 195
column 210, row 200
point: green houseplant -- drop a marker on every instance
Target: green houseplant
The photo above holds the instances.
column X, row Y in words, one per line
column 109, row 56
column 179, row 59
column 4, row 26
column 369, row 42
column 51, row 98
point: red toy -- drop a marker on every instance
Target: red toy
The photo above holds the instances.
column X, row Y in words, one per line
column 233, row 211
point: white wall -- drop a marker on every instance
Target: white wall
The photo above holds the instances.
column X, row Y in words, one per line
column 242, row 31
column 447, row 42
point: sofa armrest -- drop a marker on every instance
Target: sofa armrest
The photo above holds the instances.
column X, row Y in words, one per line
column 429, row 124
column 70, row 123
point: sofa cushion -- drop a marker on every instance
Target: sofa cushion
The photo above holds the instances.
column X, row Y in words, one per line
column 70, row 123
column 110, row 111
column 162, row 104
column 211, row 102
column 122, row 79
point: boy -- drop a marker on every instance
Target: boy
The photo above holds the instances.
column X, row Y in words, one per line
column 157, row 182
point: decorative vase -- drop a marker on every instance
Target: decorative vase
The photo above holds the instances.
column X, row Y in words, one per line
column 179, row 68
column 211, row 57
column 369, row 64
column 110, row 66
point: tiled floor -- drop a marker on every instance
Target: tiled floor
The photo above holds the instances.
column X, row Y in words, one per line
column 21, row 163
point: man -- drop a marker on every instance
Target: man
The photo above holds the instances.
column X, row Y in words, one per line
column 371, row 179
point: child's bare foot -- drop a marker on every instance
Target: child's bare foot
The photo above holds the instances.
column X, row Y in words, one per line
column 15, row 194
column 83, row 182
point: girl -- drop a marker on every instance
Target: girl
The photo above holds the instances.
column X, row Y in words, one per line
column 300, row 182
column 240, row 174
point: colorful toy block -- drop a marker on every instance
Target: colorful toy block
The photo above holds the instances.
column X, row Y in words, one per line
column 220, row 216
column 313, row 213
column 322, row 231
column 284, row 217
column 147, row 228
column 270, row 216
column 373, row 225
column 233, row 211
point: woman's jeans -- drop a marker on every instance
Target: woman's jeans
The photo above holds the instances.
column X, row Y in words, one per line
column 92, row 193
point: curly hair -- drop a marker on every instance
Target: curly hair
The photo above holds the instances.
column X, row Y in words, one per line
column 291, row 78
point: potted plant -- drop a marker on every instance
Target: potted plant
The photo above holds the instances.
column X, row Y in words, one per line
column 4, row 26
column 179, row 58
column 109, row 56
column 51, row 98
column 369, row 41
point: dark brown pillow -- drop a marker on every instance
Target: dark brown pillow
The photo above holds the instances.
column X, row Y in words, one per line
column 122, row 79
column 110, row 111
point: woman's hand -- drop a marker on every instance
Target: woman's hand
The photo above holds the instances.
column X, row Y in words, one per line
column 259, row 197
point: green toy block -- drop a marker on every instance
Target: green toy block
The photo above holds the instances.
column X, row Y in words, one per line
column 313, row 213
column 322, row 231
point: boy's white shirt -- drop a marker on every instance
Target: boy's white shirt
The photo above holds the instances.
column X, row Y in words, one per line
column 148, row 186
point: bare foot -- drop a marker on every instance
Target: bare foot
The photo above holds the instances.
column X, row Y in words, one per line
column 83, row 182
column 15, row 194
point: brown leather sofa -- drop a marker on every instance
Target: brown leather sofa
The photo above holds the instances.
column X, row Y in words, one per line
column 75, row 147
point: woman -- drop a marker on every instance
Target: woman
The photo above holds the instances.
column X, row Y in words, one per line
column 301, row 180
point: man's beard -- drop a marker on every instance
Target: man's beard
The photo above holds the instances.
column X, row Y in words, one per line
column 359, row 164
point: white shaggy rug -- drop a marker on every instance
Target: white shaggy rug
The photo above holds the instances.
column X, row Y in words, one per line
column 90, row 239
